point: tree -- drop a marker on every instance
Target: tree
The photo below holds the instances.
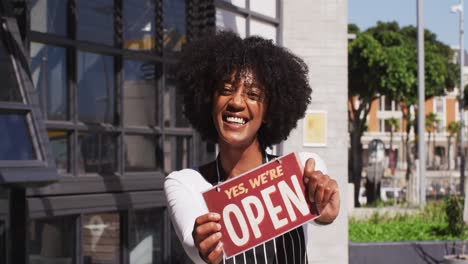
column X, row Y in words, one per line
column 432, row 121
column 382, row 61
column 453, row 129
column 364, row 60
column 394, row 126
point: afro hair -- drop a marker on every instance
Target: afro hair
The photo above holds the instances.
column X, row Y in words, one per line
column 206, row 61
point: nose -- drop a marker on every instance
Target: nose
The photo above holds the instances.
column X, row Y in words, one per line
column 237, row 100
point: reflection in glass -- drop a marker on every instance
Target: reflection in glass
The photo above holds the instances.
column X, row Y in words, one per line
column 60, row 148
column 49, row 16
column 174, row 25
column 15, row 140
column 98, row 153
column 139, row 24
column 10, row 88
column 177, row 251
column 95, row 21
column 173, row 102
column 146, row 236
column 176, row 153
column 49, row 74
column 2, row 241
column 140, row 93
column 140, row 153
column 264, row 7
column 101, row 238
column 95, row 88
column 263, row 29
column 239, row 3
column 52, row 240
column 231, row 21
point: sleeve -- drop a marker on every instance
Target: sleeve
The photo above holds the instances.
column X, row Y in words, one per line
column 184, row 207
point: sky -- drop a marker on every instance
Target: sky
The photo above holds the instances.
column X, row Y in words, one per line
column 437, row 16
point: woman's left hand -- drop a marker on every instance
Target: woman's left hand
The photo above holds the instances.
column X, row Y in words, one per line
column 322, row 190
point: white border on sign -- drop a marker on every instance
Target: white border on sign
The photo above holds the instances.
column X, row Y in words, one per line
column 304, row 127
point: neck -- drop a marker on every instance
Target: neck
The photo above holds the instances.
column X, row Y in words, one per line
column 235, row 161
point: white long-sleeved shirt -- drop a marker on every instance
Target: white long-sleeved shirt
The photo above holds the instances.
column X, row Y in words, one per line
column 185, row 202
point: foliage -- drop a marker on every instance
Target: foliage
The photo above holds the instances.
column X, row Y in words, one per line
column 454, row 213
column 428, row 224
column 453, row 128
column 431, row 122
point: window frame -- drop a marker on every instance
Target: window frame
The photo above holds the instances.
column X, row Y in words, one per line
column 19, row 171
column 121, row 180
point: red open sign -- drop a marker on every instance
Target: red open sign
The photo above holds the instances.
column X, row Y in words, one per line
column 261, row 204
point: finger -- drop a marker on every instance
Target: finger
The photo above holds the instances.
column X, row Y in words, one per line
column 309, row 169
column 312, row 185
column 319, row 193
column 208, row 217
column 330, row 188
column 217, row 254
column 207, row 245
column 201, row 232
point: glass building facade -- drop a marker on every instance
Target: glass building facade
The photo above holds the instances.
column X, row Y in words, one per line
column 94, row 123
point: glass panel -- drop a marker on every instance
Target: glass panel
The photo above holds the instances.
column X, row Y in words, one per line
column 4, row 211
column 95, row 88
column 140, row 93
column 239, row 3
column 15, row 140
column 139, row 24
column 264, row 7
column 59, row 143
column 52, row 240
column 49, row 16
column 10, row 89
column 98, row 153
column 147, row 236
column 2, row 241
column 230, row 21
column 174, row 25
column 263, row 29
column 177, row 251
column 140, row 153
column 173, row 102
column 95, row 21
column 101, row 238
column 49, row 74
column 176, row 153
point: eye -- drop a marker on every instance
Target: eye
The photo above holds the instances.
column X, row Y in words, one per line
column 254, row 94
column 226, row 89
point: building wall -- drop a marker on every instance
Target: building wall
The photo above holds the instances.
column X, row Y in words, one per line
column 317, row 32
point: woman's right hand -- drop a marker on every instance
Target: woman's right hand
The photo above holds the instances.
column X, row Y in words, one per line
column 206, row 236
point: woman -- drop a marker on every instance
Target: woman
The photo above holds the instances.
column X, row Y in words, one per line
column 245, row 95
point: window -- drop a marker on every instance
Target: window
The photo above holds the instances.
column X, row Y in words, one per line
column 174, row 25
column 146, row 236
column 49, row 16
column 259, row 18
column 101, row 238
column 95, row 21
column 49, row 72
column 139, row 29
column 52, row 240
column 23, row 144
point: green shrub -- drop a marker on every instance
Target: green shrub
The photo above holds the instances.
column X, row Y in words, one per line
column 432, row 223
column 454, row 213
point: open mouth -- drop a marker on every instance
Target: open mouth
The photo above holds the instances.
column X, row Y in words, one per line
column 236, row 120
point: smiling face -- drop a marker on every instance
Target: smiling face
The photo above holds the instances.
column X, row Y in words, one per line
column 238, row 109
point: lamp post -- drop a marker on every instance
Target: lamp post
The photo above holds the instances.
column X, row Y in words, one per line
column 459, row 9
column 421, row 111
